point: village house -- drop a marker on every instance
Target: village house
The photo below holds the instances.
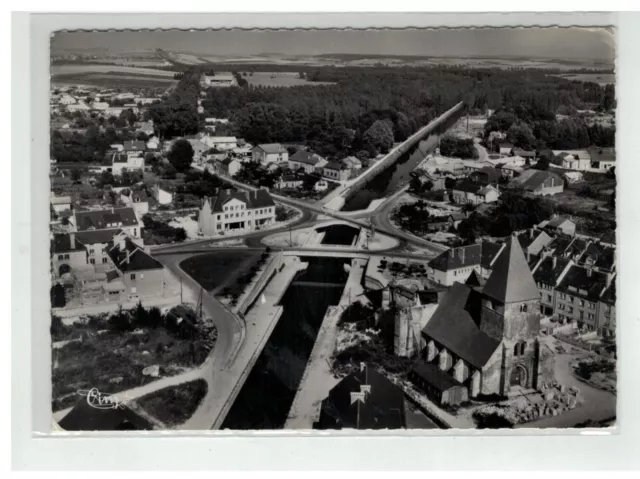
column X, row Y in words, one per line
column 99, row 106
column 228, row 166
column 573, row 177
column 509, row 170
column 438, row 165
column 320, row 185
column 578, row 294
column 109, row 220
column 505, row 148
column 142, row 275
column 162, row 194
column 121, row 162
column 456, row 264
column 547, row 273
column 219, row 80
column 574, row 159
column 134, row 148
column 242, row 153
column 306, row 160
column 487, row 338
column 60, row 203
column 220, row 143
column 290, row 181
column 145, row 127
column 606, row 323
column 67, row 254
column 455, row 218
column 533, row 242
column 66, row 100
column 236, row 210
column 485, row 176
column 602, row 159
column 352, row 163
column 144, row 101
column 335, row 171
column 363, row 400
column 269, row 153
column 537, row 182
column 465, row 192
column 558, row 225
column 137, row 199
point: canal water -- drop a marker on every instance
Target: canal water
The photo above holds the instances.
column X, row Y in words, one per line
column 266, row 397
column 339, row 234
column 389, row 180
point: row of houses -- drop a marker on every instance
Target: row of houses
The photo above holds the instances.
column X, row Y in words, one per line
column 574, row 274
column 593, row 158
column 103, row 258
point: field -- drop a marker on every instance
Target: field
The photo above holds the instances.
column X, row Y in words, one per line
column 599, row 78
column 89, row 68
column 113, row 80
column 279, row 79
column 110, row 76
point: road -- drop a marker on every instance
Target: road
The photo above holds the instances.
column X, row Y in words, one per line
column 483, row 155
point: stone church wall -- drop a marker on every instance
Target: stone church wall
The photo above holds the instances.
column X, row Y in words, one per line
column 522, row 324
column 492, row 373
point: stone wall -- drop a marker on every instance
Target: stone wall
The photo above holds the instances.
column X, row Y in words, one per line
column 257, row 287
column 492, row 374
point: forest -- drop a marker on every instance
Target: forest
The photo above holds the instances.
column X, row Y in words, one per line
column 366, row 110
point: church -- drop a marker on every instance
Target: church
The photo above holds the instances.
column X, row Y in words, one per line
column 484, row 336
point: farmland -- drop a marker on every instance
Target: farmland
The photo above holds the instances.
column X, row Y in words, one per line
column 89, row 68
column 279, row 79
column 599, row 78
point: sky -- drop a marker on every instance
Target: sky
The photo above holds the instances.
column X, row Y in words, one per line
column 556, row 43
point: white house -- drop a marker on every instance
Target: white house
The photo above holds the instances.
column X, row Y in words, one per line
column 60, row 203
column 122, row 161
column 218, row 80
column 137, row 199
column 222, row 143
column 236, row 210
column 99, row 106
column 269, row 153
column 229, row 166
column 66, row 100
column 574, row 159
column 162, row 195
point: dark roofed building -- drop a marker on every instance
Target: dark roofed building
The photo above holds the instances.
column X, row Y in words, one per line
column 486, row 176
column 547, row 272
column 134, row 146
column 142, row 275
column 456, row 264
column 363, row 400
column 486, row 338
column 307, row 160
column 600, row 256
column 109, row 219
column 537, row 182
column 438, row 385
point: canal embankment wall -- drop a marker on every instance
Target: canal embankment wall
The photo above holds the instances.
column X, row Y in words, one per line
column 395, row 154
column 318, row 379
column 260, row 320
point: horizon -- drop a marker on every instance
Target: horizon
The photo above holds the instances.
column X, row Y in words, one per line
column 574, row 44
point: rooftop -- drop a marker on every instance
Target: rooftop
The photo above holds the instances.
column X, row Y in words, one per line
column 453, row 325
column 532, row 179
column 103, row 219
column 271, row 148
column 511, row 280
column 435, row 376
column 129, row 257
column 380, row 408
column 584, row 282
column 306, row 157
column 254, row 199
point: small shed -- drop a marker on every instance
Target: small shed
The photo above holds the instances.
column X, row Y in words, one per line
column 438, row 385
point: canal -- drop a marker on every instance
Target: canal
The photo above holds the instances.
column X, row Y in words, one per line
column 339, row 234
column 266, row 397
column 399, row 173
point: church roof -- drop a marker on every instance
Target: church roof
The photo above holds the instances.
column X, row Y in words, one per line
column 454, row 325
column 511, row 280
column 474, row 279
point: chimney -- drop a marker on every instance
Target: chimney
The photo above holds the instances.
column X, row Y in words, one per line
column 228, row 191
column 72, row 240
column 589, row 271
column 531, row 233
column 462, row 254
column 554, row 261
column 452, row 252
column 128, row 256
column 112, row 211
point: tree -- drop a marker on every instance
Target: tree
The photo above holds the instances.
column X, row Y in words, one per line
column 76, row 175
column 542, row 164
column 380, row 136
column 521, row 135
column 58, row 300
column 142, row 136
column 181, row 155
